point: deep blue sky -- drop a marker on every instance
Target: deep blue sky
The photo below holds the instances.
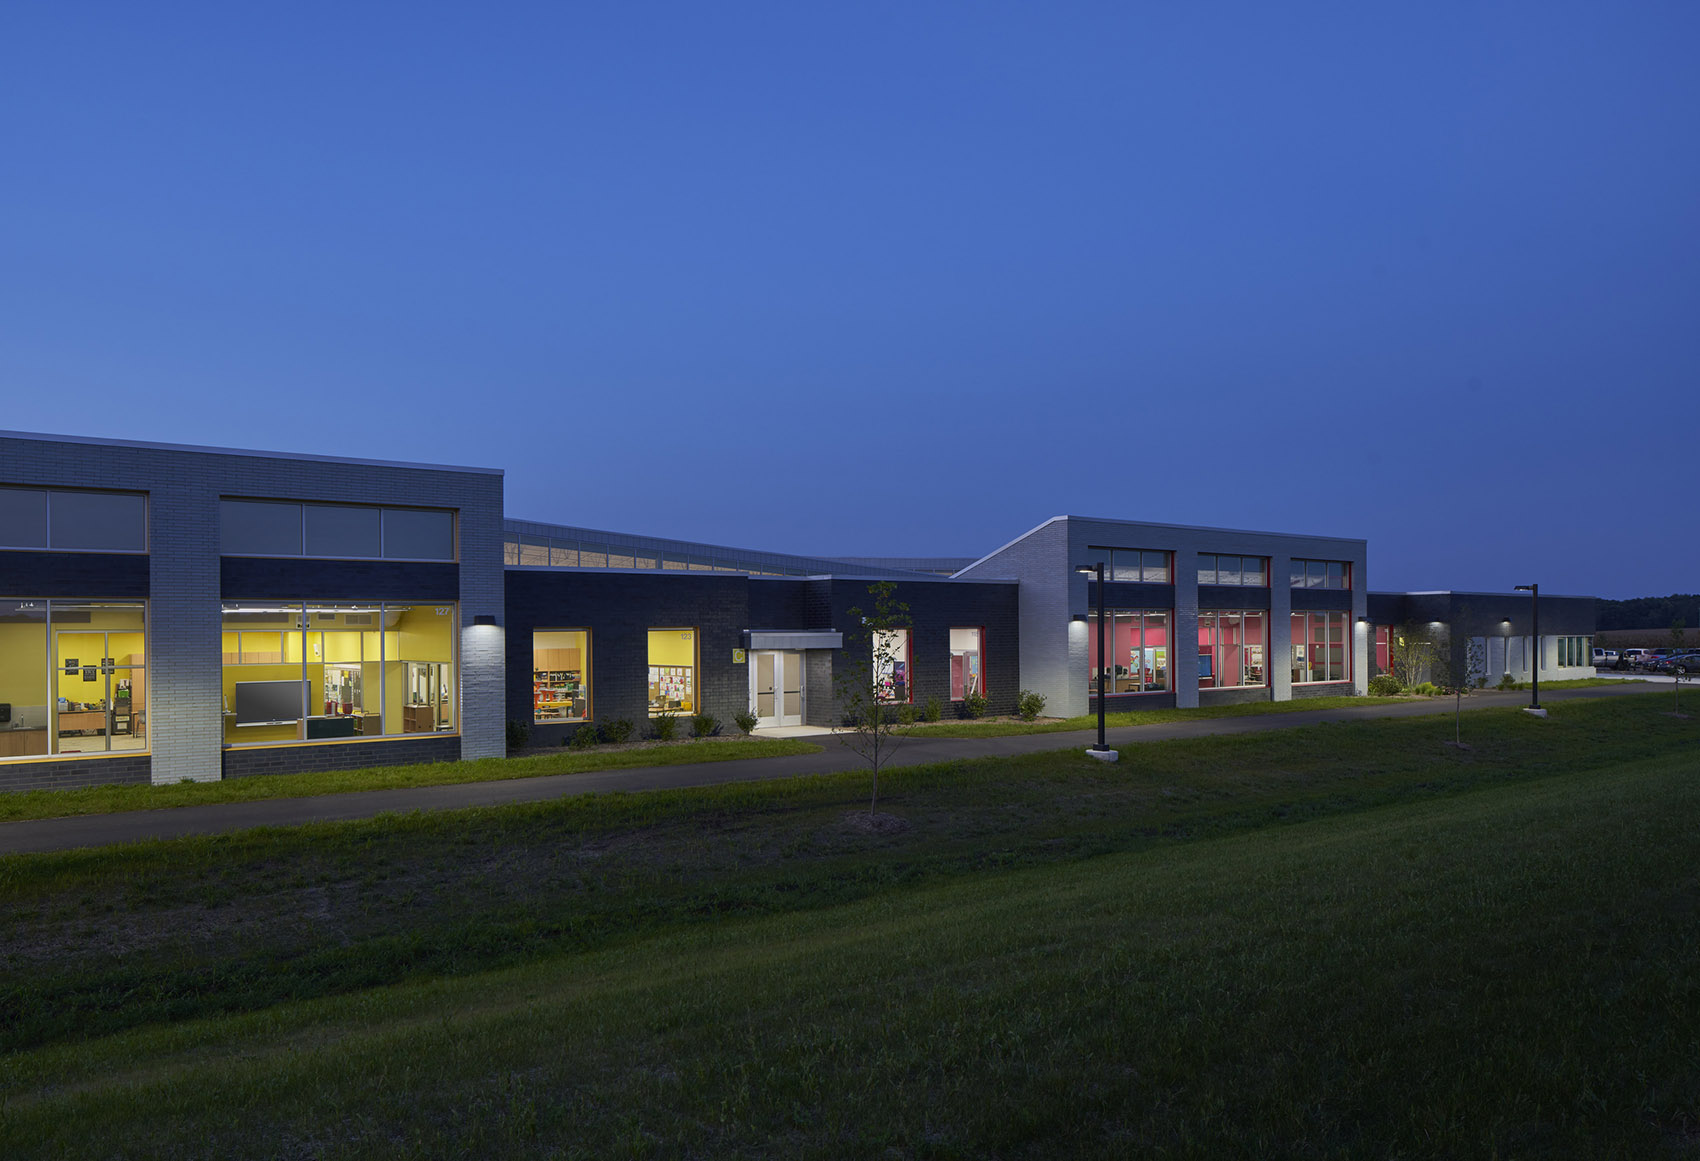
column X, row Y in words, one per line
column 902, row 278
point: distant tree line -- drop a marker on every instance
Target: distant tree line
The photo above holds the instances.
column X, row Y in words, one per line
column 1647, row 612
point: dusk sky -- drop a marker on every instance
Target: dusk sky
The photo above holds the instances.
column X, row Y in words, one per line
column 894, row 278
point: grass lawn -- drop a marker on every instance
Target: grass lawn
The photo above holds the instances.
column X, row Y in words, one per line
column 1337, row 941
column 1003, row 727
column 108, row 799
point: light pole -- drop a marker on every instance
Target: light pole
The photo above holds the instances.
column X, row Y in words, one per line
column 1102, row 750
column 1534, row 592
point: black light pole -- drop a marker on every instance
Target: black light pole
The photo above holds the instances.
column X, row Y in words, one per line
column 1089, row 569
column 1534, row 592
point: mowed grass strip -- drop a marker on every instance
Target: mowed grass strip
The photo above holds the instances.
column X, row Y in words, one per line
column 1507, row 973
column 1007, row 727
column 112, row 799
column 95, row 941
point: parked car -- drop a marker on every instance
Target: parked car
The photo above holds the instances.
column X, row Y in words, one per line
column 1678, row 663
column 1605, row 658
column 1634, row 658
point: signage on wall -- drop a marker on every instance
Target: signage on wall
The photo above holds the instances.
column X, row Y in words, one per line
column 737, row 657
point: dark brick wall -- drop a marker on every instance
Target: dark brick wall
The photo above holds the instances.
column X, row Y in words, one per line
column 114, row 576
column 934, row 609
column 264, row 578
column 779, row 604
column 1121, row 703
column 262, row 760
column 1326, row 689
column 1126, row 595
column 1235, row 597
column 1322, row 600
column 619, row 609
column 1233, row 696
column 1484, row 614
column 126, row 770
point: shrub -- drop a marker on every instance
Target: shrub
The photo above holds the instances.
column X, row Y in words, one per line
column 586, row 737
column 974, row 705
column 1426, row 689
column 616, row 731
column 1505, row 681
column 1029, row 705
column 906, row 715
column 704, row 725
column 1384, row 685
column 745, row 720
column 664, row 726
column 933, row 711
column 518, row 735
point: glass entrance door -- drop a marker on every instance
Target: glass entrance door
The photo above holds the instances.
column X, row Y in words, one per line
column 776, row 687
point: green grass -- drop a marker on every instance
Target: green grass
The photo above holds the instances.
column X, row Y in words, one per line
column 1490, row 953
column 1005, row 728
column 110, row 799
column 1579, row 683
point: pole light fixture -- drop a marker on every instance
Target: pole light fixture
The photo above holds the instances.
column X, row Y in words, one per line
column 1534, row 592
column 1101, row 751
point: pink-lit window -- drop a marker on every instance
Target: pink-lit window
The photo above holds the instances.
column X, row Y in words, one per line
column 967, row 663
column 1139, row 651
column 1231, row 649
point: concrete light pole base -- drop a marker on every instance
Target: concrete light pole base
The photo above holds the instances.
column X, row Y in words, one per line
column 1102, row 755
column 1539, row 713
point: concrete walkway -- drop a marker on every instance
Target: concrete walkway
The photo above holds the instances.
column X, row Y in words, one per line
column 132, row 826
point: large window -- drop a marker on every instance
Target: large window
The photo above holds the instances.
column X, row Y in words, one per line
column 1231, row 649
column 72, row 521
column 1139, row 565
column 892, row 675
column 1246, row 571
column 1574, row 651
column 1138, row 642
column 672, row 671
column 1321, row 574
column 560, row 675
column 967, row 660
column 320, row 672
column 1322, row 648
column 342, row 531
column 73, row 677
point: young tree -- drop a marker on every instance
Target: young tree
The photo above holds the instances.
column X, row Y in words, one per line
column 866, row 680
column 1463, row 660
column 1676, row 634
column 1413, row 652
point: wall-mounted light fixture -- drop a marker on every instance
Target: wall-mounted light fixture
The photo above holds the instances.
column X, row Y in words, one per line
column 485, row 619
column 1079, row 618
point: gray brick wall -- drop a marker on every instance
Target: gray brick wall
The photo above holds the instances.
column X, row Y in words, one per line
column 257, row 761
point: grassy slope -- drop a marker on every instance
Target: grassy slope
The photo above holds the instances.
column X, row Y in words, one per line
column 109, row 799
column 1509, row 972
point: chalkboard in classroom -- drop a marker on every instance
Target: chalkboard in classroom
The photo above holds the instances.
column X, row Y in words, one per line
column 269, row 701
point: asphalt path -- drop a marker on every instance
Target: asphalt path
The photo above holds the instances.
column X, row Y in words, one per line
column 93, row 830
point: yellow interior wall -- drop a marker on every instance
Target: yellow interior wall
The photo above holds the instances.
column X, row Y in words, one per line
column 425, row 636
column 23, row 664
column 345, row 648
column 395, row 695
column 672, row 647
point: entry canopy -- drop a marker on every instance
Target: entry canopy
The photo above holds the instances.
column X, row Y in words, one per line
column 793, row 639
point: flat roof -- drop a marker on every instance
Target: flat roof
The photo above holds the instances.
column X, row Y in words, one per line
column 233, row 451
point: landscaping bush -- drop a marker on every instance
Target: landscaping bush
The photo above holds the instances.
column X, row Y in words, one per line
column 933, row 711
column 974, row 705
column 518, row 735
column 586, row 737
column 616, row 731
column 704, row 725
column 1384, row 685
column 745, row 721
column 1505, row 681
column 906, row 715
column 1426, row 689
column 1029, row 705
column 664, row 727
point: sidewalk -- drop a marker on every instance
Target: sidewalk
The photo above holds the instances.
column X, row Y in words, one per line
column 54, row 834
